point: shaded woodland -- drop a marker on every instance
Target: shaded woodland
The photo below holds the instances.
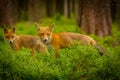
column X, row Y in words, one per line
column 92, row 16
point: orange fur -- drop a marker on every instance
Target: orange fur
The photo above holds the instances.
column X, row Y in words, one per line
column 27, row 41
column 62, row 40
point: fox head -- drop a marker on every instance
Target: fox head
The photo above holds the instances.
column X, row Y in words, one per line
column 9, row 35
column 45, row 33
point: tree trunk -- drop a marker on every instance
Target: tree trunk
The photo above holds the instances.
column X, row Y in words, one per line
column 71, row 7
column 60, row 6
column 36, row 9
column 66, row 8
column 95, row 17
column 78, row 11
column 7, row 13
column 117, row 15
column 51, row 8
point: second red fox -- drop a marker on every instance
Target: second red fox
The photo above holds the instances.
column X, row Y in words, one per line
column 18, row 41
column 62, row 40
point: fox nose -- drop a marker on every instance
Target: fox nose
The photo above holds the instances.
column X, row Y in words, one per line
column 10, row 42
column 45, row 39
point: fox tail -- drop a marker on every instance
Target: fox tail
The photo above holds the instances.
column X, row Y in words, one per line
column 101, row 49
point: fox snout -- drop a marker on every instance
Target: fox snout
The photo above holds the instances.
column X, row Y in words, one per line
column 45, row 40
column 11, row 41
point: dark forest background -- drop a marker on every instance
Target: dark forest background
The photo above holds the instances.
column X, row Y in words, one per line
column 92, row 16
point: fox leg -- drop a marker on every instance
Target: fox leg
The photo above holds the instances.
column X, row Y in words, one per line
column 56, row 49
column 32, row 52
column 101, row 49
column 56, row 53
column 15, row 47
column 40, row 48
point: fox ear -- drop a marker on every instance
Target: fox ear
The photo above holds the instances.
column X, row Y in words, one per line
column 13, row 30
column 51, row 26
column 5, row 30
column 37, row 26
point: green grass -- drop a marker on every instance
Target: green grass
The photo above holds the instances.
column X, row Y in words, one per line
column 75, row 63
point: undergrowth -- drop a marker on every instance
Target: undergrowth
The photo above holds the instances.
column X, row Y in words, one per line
column 74, row 63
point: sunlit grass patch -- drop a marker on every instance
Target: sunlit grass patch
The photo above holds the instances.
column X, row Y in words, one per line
column 74, row 62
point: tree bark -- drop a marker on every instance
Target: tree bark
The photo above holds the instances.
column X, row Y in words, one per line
column 60, row 6
column 7, row 13
column 36, row 9
column 76, row 10
column 71, row 7
column 95, row 17
column 117, row 15
column 66, row 8
column 51, row 8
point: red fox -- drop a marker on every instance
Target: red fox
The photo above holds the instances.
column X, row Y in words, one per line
column 62, row 40
column 27, row 41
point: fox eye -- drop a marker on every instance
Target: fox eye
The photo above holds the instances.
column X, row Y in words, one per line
column 12, row 36
column 48, row 33
column 7, row 36
column 41, row 33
